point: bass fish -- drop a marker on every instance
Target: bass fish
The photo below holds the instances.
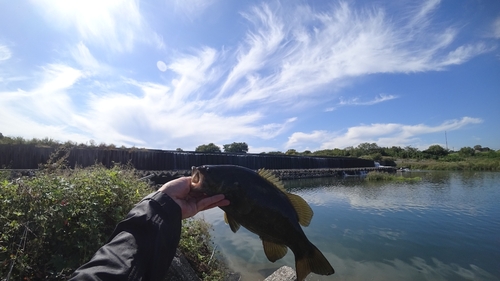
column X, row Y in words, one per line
column 260, row 203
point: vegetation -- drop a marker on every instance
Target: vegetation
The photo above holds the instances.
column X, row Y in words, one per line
column 53, row 222
column 236, row 147
column 197, row 247
column 208, row 148
column 382, row 176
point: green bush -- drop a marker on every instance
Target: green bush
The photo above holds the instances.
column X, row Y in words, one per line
column 469, row 164
column 453, row 157
column 382, row 176
column 54, row 222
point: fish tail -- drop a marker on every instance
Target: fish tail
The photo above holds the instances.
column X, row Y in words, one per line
column 313, row 261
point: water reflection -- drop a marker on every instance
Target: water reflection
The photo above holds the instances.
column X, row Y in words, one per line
column 443, row 228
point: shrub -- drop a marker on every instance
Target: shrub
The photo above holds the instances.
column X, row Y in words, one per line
column 54, row 222
column 382, row 176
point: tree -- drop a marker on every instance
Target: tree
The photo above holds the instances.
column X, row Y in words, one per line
column 394, row 151
column 274, row 153
column 291, row 152
column 436, row 151
column 410, row 152
column 210, row 148
column 466, row 151
column 236, row 147
column 179, row 149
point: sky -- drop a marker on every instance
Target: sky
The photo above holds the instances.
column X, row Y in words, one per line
column 278, row 75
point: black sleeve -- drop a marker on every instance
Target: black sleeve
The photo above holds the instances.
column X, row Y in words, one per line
column 141, row 247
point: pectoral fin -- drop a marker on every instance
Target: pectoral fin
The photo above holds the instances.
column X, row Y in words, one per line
column 232, row 223
column 274, row 251
column 303, row 209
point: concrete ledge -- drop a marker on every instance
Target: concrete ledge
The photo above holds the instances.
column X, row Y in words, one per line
column 284, row 273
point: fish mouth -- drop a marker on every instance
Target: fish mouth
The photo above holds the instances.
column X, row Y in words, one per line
column 196, row 181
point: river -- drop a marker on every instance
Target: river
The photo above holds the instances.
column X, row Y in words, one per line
column 445, row 227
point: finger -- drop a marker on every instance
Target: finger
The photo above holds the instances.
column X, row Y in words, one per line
column 204, row 203
column 221, row 203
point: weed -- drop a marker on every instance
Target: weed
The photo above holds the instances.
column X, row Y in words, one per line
column 196, row 245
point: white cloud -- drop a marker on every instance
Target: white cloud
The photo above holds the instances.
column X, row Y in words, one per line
column 47, row 101
column 193, row 72
column 311, row 54
column 192, row 9
column 46, row 109
column 5, row 53
column 114, row 24
column 495, row 28
column 81, row 54
column 378, row 99
column 391, row 134
column 464, row 53
column 422, row 14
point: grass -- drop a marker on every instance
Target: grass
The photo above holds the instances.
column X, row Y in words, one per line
column 382, row 176
column 198, row 248
column 470, row 164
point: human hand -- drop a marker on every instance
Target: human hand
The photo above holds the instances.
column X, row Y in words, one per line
column 179, row 190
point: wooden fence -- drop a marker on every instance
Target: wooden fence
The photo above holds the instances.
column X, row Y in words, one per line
column 30, row 156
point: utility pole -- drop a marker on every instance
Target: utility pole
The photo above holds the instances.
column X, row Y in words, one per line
column 446, row 138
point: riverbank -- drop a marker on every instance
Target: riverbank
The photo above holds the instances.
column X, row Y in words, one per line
column 469, row 164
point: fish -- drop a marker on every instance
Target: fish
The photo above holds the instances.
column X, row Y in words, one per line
column 260, row 203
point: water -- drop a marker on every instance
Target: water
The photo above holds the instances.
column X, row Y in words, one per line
column 446, row 227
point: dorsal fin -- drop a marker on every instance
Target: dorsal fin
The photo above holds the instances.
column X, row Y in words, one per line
column 271, row 178
column 304, row 212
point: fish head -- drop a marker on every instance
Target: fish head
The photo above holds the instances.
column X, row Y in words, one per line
column 211, row 179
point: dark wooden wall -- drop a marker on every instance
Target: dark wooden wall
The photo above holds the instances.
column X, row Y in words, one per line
column 30, row 156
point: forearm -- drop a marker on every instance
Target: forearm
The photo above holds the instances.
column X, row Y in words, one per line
column 142, row 245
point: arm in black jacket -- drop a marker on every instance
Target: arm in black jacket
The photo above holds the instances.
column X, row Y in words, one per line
column 142, row 245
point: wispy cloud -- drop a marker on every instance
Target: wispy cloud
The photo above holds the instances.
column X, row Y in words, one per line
column 192, row 9
column 356, row 101
column 5, row 53
column 115, row 25
column 283, row 59
column 81, row 54
column 193, row 72
column 383, row 134
column 46, row 108
column 157, row 119
column 495, row 28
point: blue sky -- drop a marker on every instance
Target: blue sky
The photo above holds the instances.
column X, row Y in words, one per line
column 304, row 75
